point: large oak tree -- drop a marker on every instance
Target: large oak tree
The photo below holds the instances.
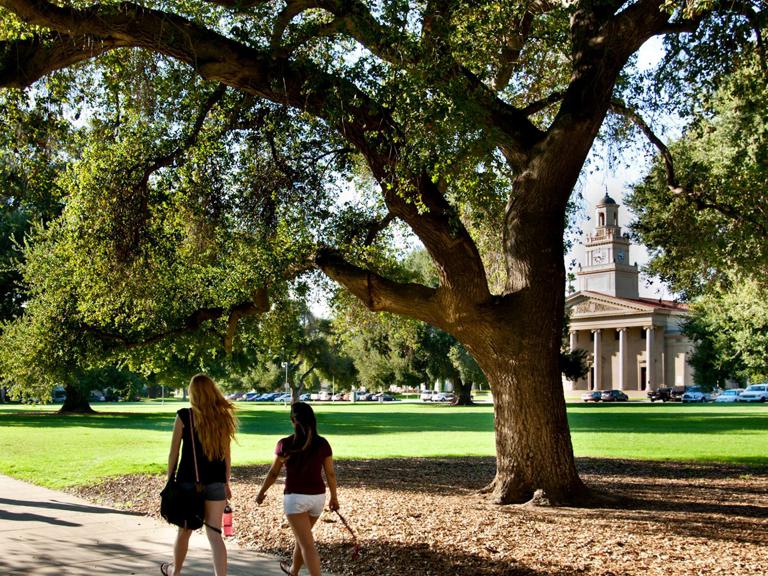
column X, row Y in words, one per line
column 472, row 118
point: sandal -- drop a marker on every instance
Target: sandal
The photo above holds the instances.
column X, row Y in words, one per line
column 286, row 567
column 164, row 568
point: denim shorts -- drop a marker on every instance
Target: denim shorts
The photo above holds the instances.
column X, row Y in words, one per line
column 300, row 503
column 212, row 491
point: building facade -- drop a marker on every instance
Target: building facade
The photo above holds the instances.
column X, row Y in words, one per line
column 634, row 344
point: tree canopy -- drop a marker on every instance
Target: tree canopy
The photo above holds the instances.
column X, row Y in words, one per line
column 707, row 232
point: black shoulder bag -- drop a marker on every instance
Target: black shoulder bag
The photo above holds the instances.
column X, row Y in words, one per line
column 184, row 508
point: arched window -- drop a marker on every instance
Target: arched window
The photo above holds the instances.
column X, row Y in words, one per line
column 601, row 219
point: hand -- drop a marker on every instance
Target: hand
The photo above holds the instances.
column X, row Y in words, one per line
column 260, row 498
column 333, row 504
column 229, row 491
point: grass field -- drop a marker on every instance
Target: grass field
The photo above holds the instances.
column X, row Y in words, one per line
column 38, row 445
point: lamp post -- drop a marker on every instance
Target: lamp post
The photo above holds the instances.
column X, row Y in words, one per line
column 287, row 388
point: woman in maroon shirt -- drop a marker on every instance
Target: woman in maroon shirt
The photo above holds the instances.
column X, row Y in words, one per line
column 305, row 455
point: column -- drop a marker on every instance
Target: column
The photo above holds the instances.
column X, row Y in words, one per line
column 572, row 340
column 649, row 364
column 622, row 358
column 597, row 362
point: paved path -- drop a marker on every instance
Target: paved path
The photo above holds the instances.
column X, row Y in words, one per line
column 45, row 532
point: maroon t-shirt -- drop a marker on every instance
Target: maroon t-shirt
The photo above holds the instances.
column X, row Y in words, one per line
column 303, row 470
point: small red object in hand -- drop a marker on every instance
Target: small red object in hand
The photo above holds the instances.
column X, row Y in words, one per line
column 226, row 521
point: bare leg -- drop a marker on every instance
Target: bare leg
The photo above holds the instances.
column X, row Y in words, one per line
column 301, row 524
column 180, row 547
column 213, row 511
column 298, row 559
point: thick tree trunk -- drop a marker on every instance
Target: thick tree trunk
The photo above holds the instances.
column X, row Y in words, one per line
column 534, row 454
column 76, row 402
column 463, row 392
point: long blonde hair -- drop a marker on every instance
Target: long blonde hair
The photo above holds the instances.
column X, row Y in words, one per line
column 215, row 421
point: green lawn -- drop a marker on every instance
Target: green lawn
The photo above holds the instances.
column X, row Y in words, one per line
column 38, row 445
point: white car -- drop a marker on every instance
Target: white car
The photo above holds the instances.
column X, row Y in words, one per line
column 755, row 393
column 697, row 395
column 730, row 395
column 443, row 397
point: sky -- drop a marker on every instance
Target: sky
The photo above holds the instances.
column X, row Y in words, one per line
column 616, row 181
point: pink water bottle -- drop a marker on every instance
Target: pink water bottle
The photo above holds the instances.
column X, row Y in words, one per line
column 226, row 521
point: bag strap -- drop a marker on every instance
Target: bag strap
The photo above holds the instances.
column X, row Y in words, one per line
column 194, row 451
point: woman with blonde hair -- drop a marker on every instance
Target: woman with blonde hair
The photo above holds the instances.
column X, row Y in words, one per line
column 212, row 418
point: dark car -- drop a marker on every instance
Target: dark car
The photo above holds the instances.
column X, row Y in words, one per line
column 593, row 396
column 613, row 396
column 667, row 394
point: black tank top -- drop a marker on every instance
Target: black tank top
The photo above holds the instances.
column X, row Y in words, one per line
column 210, row 471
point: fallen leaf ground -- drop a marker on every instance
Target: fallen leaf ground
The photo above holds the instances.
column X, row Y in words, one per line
column 425, row 517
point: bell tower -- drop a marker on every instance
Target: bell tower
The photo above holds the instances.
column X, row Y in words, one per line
column 606, row 268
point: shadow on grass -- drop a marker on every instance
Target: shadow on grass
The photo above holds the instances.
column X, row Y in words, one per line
column 392, row 419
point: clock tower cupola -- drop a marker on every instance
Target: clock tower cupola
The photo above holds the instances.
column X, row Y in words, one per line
column 606, row 268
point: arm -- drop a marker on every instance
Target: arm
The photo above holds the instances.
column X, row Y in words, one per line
column 173, row 455
column 330, row 477
column 272, row 475
column 228, row 472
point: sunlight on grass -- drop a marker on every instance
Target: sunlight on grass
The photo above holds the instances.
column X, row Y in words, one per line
column 38, row 445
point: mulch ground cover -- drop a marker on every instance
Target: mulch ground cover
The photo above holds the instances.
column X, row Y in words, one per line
column 425, row 517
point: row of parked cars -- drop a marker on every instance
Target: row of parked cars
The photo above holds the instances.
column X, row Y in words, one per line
column 604, row 396
column 686, row 394
column 753, row 393
column 309, row 397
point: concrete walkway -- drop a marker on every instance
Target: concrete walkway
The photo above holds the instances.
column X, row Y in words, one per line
column 45, row 532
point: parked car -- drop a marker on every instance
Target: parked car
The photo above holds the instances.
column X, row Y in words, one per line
column 613, row 396
column 338, row 397
column 97, row 396
column 667, row 394
column 58, row 395
column 443, row 397
column 755, row 393
column 593, row 396
column 697, row 394
column 426, row 396
column 284, row 397
column 250, row 396
column 306, row 397
column 382, row 397
column 730, row 395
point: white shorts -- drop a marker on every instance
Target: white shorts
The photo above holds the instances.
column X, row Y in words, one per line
column 300, row 503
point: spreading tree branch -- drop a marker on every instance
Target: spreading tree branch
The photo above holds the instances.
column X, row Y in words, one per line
column 192, row 323
column 622, row 109
column 381, row 294
column 696, row 197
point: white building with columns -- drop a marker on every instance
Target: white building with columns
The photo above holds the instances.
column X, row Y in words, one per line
column 634, row 344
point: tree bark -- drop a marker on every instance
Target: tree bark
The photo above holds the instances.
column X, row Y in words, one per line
column 534, row 454
column 463, row 392
column 77, row 401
